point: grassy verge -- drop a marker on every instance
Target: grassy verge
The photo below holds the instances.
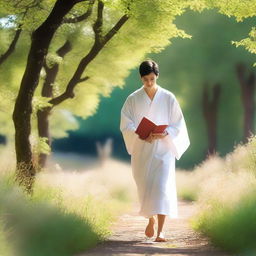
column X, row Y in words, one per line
column 225, row 190
column 59, row 220
column 231, row 228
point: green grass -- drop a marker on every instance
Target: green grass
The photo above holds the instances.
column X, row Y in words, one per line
column 120, row 194
column 52, row 222
column 39, row 228
column 225, row 191
column 187, row 194
column 5, row 248
column 232, row 228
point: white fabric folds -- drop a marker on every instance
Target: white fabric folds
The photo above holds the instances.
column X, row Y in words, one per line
column 153, row 164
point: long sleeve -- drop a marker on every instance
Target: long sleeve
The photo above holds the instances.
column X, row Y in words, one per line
column 177, row 138
column 127, row 126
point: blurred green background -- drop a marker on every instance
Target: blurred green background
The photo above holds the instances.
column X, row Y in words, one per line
column 185, row 66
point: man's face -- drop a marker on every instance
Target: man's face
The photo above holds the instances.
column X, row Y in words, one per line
column 149, row 80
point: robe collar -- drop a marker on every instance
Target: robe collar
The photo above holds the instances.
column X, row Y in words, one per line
column 148, row 100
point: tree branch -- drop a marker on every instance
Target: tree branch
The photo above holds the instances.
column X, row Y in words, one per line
column 82, row 17
column 83, row 79
column 12, row 46
column 115, row 28
column 97, row 26
column 64, row 49
column 35, row 3
column 79, row 1
column 99, row 43
column 51, row 72
column 14, row 42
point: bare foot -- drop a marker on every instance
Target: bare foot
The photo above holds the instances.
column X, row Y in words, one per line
column 160, row 238
column 149, row 231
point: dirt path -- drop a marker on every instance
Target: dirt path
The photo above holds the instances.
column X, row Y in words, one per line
column 128, row 237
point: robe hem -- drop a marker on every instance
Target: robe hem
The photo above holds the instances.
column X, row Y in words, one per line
column 170, row 215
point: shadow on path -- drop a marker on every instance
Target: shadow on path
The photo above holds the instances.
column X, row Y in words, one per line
column 128, row 237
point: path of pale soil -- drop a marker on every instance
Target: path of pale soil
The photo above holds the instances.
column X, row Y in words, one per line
column 128, row 237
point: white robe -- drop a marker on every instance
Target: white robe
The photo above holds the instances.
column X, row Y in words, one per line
column 153, row 164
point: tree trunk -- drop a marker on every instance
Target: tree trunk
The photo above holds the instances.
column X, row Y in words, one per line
column 247, row 86
column 47, row 91
column 51, row 73
column 40, row 42
column 210, row 111
column 43, row 131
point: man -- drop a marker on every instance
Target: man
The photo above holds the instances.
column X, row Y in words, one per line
column 153, row 159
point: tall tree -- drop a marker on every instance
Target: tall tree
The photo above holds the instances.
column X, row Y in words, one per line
column 47, row 91
column 40, row 43
column 100, row 41
column 51, row 73
column 247, row 85
column 155, row 21
column 210, row 105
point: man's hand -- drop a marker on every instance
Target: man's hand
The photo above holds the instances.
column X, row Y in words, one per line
column 149, row 138
column 159, row 135
column 155, row 136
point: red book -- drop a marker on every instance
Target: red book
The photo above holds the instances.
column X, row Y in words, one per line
column 146, row 126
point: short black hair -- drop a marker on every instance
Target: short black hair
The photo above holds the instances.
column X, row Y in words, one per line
column 148, row 66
